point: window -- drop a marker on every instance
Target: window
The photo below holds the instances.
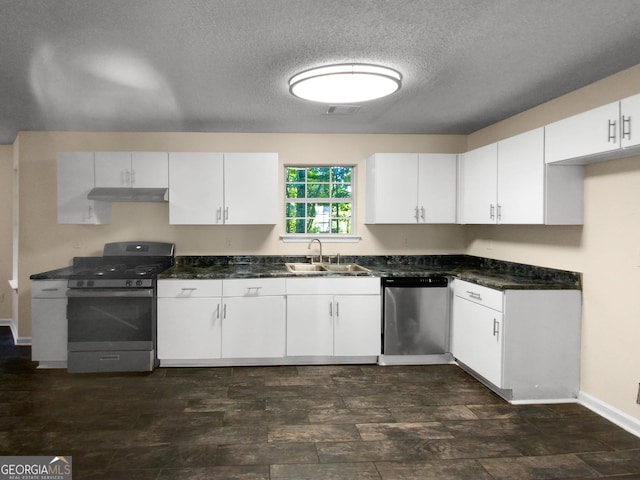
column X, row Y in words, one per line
column 319, row 200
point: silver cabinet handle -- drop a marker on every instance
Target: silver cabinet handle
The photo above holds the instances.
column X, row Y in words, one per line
column 331, row 309
column 496, row 328
column 422, row 213
column 218, row 214
column 415, row 215
column 499, row 212
column 224, row 311
column 50, row 289
column 626, row 127
column 226, row 213
column 132, row 180
column 218, row 311
column 189, row 288
column 337, row 309
column 491, row 211
column 612, row 131
column 475, row 295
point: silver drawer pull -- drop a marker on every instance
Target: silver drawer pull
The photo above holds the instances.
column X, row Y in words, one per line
column 50, row 289
column 189, row 288
column 475, row 295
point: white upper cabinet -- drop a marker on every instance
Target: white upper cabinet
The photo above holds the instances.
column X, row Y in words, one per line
column 251, row 188
column 131, row 169
column 215, row 188
column 405, row 188
column 75, row 181
column 508, row 183
column 602, row 133
column 630, row 122
column 521, row 179
column 195, row 188
column 479, row 185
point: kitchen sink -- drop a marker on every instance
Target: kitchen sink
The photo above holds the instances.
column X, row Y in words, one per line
column 308, row 268
column 346, row 268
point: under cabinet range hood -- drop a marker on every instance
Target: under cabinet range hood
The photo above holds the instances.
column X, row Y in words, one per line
column 115, row 194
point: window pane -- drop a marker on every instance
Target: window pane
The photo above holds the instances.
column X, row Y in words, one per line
column 318, row 190
column 318, row 174
column 341, row 190
column 341, row 174
column 296, row 190
column 295, row 210
column 295, row 226
column 295, row 174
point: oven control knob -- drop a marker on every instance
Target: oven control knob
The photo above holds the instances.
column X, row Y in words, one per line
column 79, row 283
column 128, row 283
column 139, row 283
column 90, row 283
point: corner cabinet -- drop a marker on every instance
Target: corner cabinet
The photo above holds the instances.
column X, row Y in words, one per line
column 409, row 188
column 524, row 344
column 334, row 317
column 75, row 181
column 603, row 133
column 508, row 183
column 223, row 188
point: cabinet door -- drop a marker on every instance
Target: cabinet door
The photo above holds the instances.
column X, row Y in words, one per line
column 75, row 180
column 195, row 188
column 189, row 328
column 437, row 188
column 630, row 121
column 392, row 188
column 113, row 169
column 251, row 188
column 253, row 327
column 357, row 325
column 49, row 329
column 521, row 178
column 479, row 185
column 589, row 133
column 309, row 325
column 476, row 338
column 150, row 169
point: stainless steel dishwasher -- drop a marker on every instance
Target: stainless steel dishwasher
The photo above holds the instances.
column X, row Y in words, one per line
column 415, row 320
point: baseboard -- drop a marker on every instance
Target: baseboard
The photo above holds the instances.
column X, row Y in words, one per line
column 7, row 322
column 623, row 420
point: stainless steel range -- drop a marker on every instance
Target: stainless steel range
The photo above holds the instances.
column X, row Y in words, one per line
column 111, row 309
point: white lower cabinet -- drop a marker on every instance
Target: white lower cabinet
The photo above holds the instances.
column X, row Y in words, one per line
column 524, row 343
column 333, row 317
column 254, row 318
column 49, row 323
column 189, row 319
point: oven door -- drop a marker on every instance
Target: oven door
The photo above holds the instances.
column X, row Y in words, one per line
column 111, row 319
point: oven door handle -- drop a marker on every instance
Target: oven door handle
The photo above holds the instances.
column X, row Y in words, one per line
column 110, row 292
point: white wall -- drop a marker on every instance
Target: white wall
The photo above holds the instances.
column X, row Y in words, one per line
column 6, row 201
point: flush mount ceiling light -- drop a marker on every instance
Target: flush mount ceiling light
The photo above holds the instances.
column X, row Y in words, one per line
column 346, row 83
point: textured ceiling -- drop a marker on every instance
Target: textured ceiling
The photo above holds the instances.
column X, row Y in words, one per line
column 221, row 66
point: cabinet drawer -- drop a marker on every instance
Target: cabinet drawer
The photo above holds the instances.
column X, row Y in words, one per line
column 253, row 287
column 333, row 286
column 189, row 288
column 487, row 297
column 49, row 289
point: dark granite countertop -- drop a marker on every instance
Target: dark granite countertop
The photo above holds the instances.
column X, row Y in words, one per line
column 487, row 272
column 491, row 273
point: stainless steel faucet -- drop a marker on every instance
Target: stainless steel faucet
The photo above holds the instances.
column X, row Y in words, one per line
column 319, row 244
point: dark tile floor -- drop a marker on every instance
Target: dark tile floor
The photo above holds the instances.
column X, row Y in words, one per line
column 299, row 422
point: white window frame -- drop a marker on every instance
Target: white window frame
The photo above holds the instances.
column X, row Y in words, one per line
column 325, row 237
